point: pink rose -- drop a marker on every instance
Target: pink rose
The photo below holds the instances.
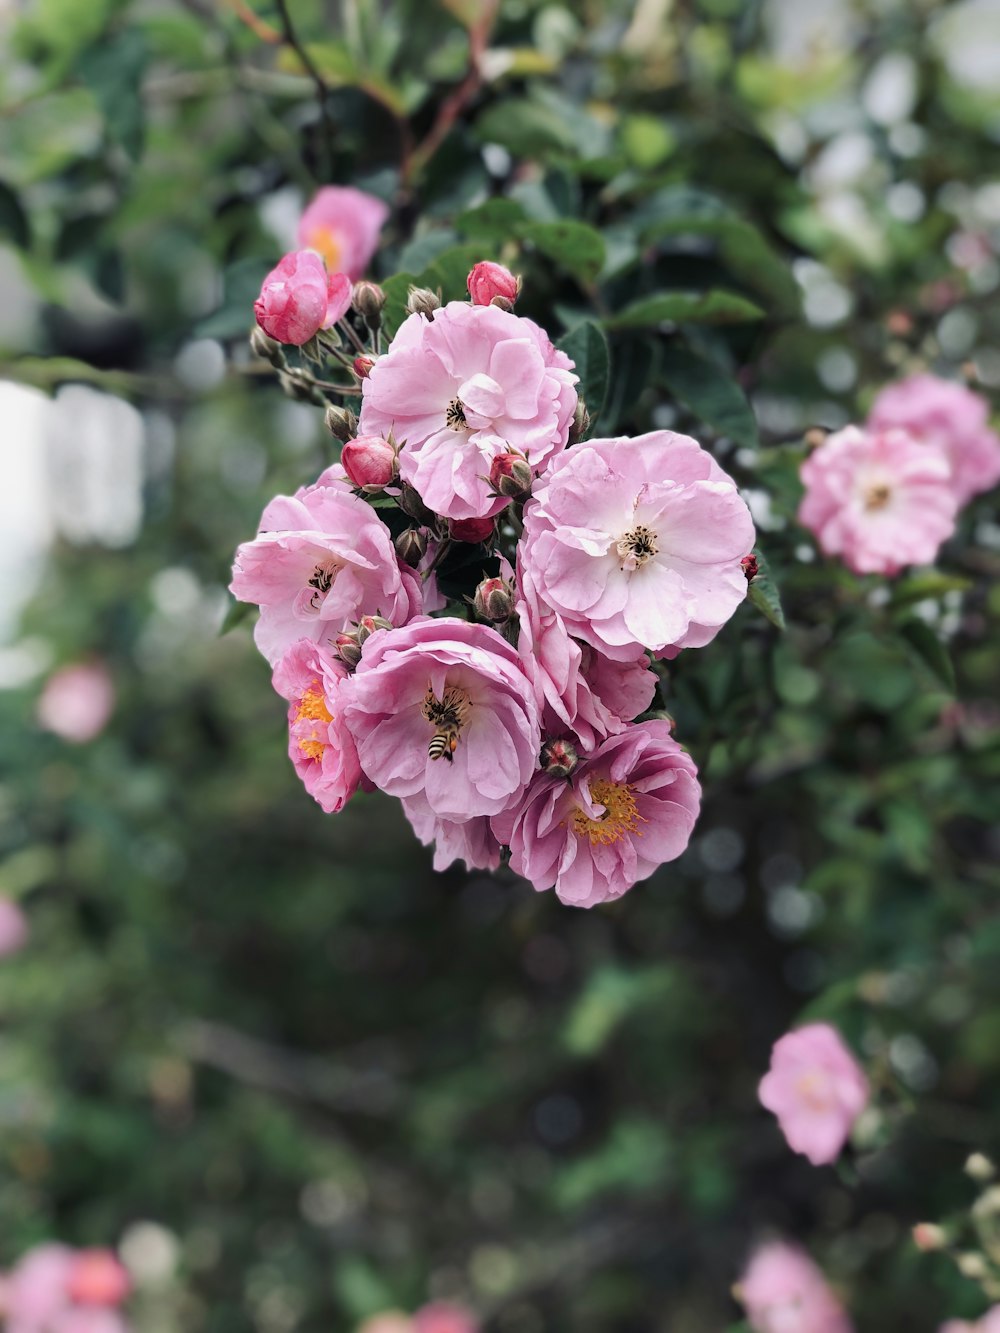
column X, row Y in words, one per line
column 83, row 1319
column 468, row 840
column 637, row 543
column 460, row 389
column 989, row 1323
column 949, row 416
column 443, row 716
column 299, row 297
column 576, row 689
column 77, row 702
column 344, row 225
column 627, row 808
column 370, row 462
column 784, row 1292
column 487, row 281
column 13, row 928
column 817, row 1090
column 878, row 499
column 321, row 560
column 319, row 745
column 97, row 1277
column 442, row 1317
column 37, row 1287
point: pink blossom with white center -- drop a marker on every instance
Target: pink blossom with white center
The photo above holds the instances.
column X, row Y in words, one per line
column 298, row 298
column 817, row 1090
column 321, row 560
column 343, row 224
column 878, row 499
column 77, row 702
column 444, row 717
column 443, row 1317
column 319, row 745
column 783, row 1291
column 949, row 416
column 627, row 808
column 468, row 840
column 576, row 688
column 14, row 928
column 989, row 1323
column 461, row 388
column 637, row 543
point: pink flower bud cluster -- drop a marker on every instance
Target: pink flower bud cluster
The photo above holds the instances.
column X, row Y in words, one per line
column 55, row 1289
column 518, row 715
column 886, row 495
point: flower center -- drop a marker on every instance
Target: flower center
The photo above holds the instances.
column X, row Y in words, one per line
column 637, row 546
column 621, row 814
column 312, row 709
column 814, row 1089
column 877, row 497
column 325, row 242
column 447, row 715
column 322, row 580
column 454, row 415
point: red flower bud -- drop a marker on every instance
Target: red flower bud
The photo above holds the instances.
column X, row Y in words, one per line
column 363, row 366
column 510, row 475
column 370, row 462
column 488, row 281
column 494, row 601
column 470, row 529
column 97, row 1278
column 559, row 758
column 750, row 567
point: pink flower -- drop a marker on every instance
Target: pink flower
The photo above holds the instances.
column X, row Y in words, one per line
column 460, row 389
column 949, row 416
column 442, row 1317
column 97, row 1277
column 13, row 928
column 628, row 807
column 319, row 745
column 488, row 281
column 443, row 716
column 471, row 530
column 37, row 1287
column 299, row 298
column 637, row 543
column 77, row 702
column 878, row 499
column 577, row 689
column 343, row 224
column 784, row 1292
column 321, row 560
column 817, row 1090
column 83, row 1319
column 370, row 462
column 388, row 1321
column 989, row 1323
column 468, row 840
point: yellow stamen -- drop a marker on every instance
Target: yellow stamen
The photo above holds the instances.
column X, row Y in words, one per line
column 621, row 814
column 325, row 241
column 312, row 708
column 877, row 497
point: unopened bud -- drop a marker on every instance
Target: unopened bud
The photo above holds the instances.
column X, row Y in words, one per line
column 581, row 422
column 929, row 1236
column 367, row 626
column 559, row 758
column 411, row 546
column 750, row 567
column 268, row 349
column 815, row 436
column 979, row 1167
column 363, row 366
column 511, row 476
column 494, row 601
column 341, row 423
column 972, row 1264
column 422, row 301
column 368, row 298
column 413, row 507
column 470, row 529
column 370, row 462
column 348, row 644
column 492, row 284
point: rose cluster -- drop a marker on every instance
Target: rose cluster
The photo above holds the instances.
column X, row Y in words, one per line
column 513, row 712
column 886, row 495
column 56, row 1289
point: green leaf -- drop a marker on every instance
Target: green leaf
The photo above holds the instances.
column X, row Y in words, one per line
column 397, row 289
column 926, row 645
column 575, row 246
column 526, row 128
column 927, row 585
column 113, row 71
column 763, row 593
column 713, row 307
column 712, row 395
column 13, row 219
column 235, row 615
column 587, row 347
column 497, row 220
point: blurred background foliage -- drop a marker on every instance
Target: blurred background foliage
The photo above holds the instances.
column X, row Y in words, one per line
column 302, row 1075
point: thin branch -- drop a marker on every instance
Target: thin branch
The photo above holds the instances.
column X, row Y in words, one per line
column 322, row 91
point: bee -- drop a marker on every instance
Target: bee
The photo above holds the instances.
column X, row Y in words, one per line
column 443, row 744
column 447, row 715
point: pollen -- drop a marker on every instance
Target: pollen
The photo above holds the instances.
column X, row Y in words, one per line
column 323, row 240
column 621, row 814
column 637, row 546
column 454, row 415
column 877, row 497
column 312, row 708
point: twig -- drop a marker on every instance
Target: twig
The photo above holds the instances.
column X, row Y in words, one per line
column 256, row 24
column 322, row 91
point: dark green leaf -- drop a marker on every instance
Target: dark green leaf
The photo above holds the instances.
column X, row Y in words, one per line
column 587, row 347
column 926, row 645
column 235, row 615
column 13, row 219
column 763, row 593
column 713, row 307
column 241, row 284
column 113, row 71
column 573, row 245
column 497, row 220
column 397, row 289
column 712, row 395
column 526, row 128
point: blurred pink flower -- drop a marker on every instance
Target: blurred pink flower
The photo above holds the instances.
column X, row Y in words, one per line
column 321, row 560
column 817, row 1090
column 460, row 389
column 298, row 298
column 988, row 1323
column 14, row 928
column 950, row 416
column 784, row 1292
column 77, row 701
column 319, row 745
column 97, row 1277
column 37, row 1288
column 442, row 1317
column 627, row 808
column 387, row 1321
column 878, row 499
column 637, row 543
column 82, row 1319
column 443, row 716
column 343, row 224
column 487, row 281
